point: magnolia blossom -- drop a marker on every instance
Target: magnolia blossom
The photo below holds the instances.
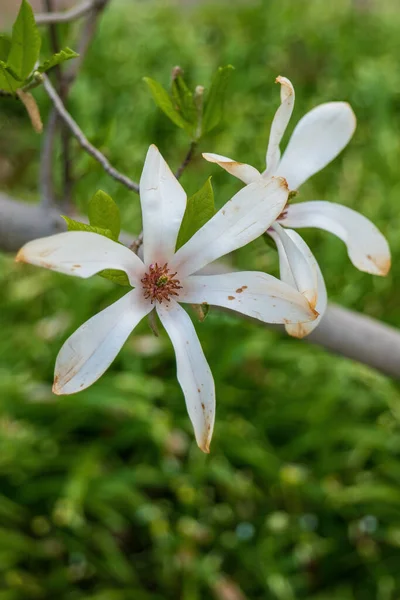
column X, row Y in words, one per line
column 166, row 278
column 316, row 140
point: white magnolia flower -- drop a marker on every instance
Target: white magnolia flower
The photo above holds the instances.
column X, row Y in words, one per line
column 316, row 140
column 165, row 278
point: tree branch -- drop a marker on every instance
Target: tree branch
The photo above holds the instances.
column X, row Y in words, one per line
column 69, row 15
column 186, row 160
column 83, row 141
column 65, row 80
column 46, row 187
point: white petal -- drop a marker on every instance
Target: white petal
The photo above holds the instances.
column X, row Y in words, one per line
column 303, row 273
column 163, row 201
column 317, row 139
column 91, row 349
column 279, row 124
column 292, row 272
column 368, row 249
column 244, row 172
column 243, row 218
column 82, row 254
column 193, row 372
column 251, row 293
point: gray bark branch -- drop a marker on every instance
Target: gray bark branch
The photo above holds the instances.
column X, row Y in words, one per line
column 82, row 139
column 69, row 15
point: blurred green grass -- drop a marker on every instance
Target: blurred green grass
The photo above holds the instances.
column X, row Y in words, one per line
column 104, row 495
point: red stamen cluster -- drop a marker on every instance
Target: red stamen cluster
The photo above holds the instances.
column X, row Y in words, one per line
column 159, row 284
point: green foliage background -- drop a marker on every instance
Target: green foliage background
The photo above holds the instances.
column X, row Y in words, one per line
column 104, row 495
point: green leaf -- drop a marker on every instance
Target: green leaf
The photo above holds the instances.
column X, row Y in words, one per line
column 10, row 71
column 7, row 81
column 5, row 45
column 25, row 42
column 104, row 213
column 164, row 101
column 114, row 275
column 73, row 225
column 214, row 106
column 184, row 102
column 57, row 59
column 199, row 209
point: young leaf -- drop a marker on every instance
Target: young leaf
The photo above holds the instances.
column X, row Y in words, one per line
column 216, row 96
column 6, row 68
column 164, row 101
column 25, row 42
column 199, row 209
column 57, row 59
column 7, row 81
column 73, row 225
column 184, row 102
column 5, row 45
column 104, row 213
column 114, row 275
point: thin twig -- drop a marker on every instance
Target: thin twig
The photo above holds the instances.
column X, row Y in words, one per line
column 46, row 178
column 69, row 15
column 85, row 38
column 65, row 82
column 54, row 40
column 135, row 245
column 83, row 141
column 186, row 160
column 46, row 186
column 63, row 90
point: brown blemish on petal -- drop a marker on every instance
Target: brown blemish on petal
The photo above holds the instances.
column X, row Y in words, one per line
column 76, row 266
column 20, row 256
column 47, row 252
column 241, row 289
column 382, row 263
column 298, row 331
column 282, row 182
column 384, row 266
column 231, row 297
column 202, row 405
column 56, row 388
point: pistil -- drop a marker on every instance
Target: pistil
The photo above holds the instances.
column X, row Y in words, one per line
column 159, row 284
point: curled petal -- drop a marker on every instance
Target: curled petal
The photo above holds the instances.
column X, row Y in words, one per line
column 193, row 372
column 303, row 273
column 243, row 218
column 293, row 258
column 163, row 202
column 251, row 293
column 244, row 172
column 367, row 248
column 316, row 140
column 279, row 124
column 83, row 254
column 90, row 350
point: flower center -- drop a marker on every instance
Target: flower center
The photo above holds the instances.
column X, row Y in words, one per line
column 159, row 284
